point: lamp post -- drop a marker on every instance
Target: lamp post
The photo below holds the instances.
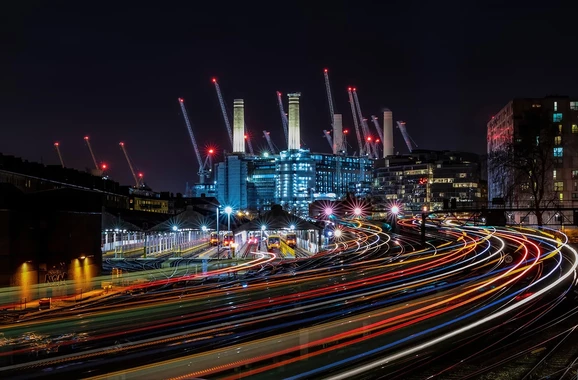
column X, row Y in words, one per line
column 218, row 237
column 394, row 211
column 228, row 211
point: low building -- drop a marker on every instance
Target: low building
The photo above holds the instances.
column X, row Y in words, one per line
column 49, row 237
column 425, row 178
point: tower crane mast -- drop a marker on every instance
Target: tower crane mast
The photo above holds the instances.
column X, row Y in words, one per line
column 284, row 118
column 267, row 136
column 203, row 171
column 328, row 137
column 224, row 110
column 355, row 122
column 91, row 152
column 329, row 96
column 406, row 137
column 137, row 178
column 57, row 147
column 377, row 127
column 249, row 144
column 364, row 126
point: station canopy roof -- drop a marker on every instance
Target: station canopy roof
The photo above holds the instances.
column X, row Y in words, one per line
column 277, row 219
column 131, row 220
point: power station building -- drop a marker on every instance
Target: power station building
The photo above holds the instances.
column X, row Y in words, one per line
column 294, row 178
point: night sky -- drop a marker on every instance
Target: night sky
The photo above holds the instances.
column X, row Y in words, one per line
column 114, row 71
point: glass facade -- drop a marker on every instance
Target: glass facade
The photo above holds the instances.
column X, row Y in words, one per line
column 293, row 179
column 231, row 182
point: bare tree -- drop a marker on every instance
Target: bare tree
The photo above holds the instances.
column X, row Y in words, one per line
column 524, row 167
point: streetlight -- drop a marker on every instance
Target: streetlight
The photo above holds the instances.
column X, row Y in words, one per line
column 357, row 211
column 394, row 210
column 228, row 211
column 218, row 237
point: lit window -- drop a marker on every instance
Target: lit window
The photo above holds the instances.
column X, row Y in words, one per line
column 558, row 151
column 561, row 196
column 554, row 174
column 559, row 186
column 574, row 106
column 555, row 106
column 574, row 174
column 557, row 140
column 560, row 128
column 574, row 128
column 557, row 117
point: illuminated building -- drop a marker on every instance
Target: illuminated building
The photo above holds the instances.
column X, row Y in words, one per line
column 426, row 178
column 147, row 200
column 293, row 179
column 520, row 124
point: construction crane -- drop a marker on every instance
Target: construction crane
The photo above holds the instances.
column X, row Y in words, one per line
column 328, row 137
column 91, row 152
column 57, row 147
column 364, row 126
column 249, row 144
column 267, row 136
column 407, row 138
column 360, row 141
column 204, row 166
column 284, row 118
column 137, row 177
column 377, row 127
column 329, row 97
column 224, row 111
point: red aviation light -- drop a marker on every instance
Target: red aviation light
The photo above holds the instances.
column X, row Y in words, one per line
column 140, row 175
column 324, row 70
column 56, row 144
column 181, row 100
column 214, row 80
column 348, row 88
column 86, row 138
column 121, row 144
column 104, row 166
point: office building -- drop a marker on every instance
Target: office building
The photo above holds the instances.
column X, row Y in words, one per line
column 547, row 127
column 424, row 178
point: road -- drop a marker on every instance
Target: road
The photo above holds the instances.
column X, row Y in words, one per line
column 362, row 308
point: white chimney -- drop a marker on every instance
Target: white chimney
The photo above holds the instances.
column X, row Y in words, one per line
column 238, row 126
column 294, row 135
column 387, row 133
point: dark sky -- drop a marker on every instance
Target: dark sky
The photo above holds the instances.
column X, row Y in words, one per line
column 114, row 71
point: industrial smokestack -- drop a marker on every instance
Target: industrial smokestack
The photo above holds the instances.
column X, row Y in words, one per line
column 238, row 126
column 294, row 135
column 387, row 133
column 338, row 145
